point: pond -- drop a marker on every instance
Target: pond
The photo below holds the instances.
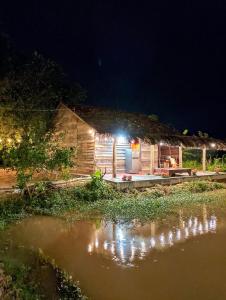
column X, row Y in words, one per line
column 178, row 258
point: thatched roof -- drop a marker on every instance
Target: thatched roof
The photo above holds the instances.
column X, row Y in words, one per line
column 136, row 125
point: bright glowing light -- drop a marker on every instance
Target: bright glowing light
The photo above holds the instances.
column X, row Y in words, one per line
column 186, row 232
column 9, row 140
column 152, row 242
column 90, row 248
column 105, row 245
column 113, row 249
column 200, row 228
column 170, row 236
column 161, row 143
column 0, row 140
column 162, row 239
column 213, row 145
column 143, row 246
column 190, row 222
column 91, row 131
column 121, row 139
column 178, row 234
column 96, row 243
column 120, row 234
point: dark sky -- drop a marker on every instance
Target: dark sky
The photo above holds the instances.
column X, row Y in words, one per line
column 162, row 57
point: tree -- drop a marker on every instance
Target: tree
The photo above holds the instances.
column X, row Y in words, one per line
column 29, row 94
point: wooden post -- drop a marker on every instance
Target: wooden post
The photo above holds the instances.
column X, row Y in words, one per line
column 204, row 158
column 114, row 158
column 152, row 159
column 180, row 157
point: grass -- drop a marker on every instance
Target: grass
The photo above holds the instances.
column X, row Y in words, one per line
column 82, row 202
column 17, row 281
column 146, row 209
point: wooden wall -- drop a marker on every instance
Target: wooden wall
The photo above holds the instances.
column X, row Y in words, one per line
column 71, row 131
column 146, row 156
column 103, row 154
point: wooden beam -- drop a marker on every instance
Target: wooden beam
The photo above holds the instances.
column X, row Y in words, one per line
column 114, row 158
column 152, row 159
column 204, row 158
column 180, row 157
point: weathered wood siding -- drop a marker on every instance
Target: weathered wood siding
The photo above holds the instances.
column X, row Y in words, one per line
column 103, row 154
column 71, row 131
column 145, row 156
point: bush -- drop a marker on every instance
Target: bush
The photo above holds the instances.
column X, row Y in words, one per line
column 95, row 190
column 197, row 186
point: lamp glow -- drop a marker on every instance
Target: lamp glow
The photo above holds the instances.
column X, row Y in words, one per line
column 121, row 139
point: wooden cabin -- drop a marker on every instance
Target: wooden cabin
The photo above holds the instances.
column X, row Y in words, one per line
column 95, row 132
column 119, row 142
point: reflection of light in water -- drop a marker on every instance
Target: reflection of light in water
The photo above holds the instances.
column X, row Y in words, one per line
column 152, row 242
column 178, row 234
column 190, row 222
column 162, row 239
column 90, row 248
column 186, row 231
column 113, row 249
column 124, row 247
column 206, row 226
column 105, row 245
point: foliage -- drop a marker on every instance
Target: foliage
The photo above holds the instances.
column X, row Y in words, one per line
column 20, row 285
column 203, row 134
column 95, row 190
column 66, row 287
column 185, row 131
column 35, row 154
column 11, row 209
column 29, row 93
column 192, row 159
column 106, row 201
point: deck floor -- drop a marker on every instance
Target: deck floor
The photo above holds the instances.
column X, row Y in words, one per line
column 139, row 181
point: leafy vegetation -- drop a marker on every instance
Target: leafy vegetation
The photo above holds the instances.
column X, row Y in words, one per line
column 30, row 89
column 24, row 277
column 192, row 159
column 16, row 281
column 66, row 287
column 105, row 201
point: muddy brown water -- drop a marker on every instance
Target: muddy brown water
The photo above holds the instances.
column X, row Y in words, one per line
column 183, row 258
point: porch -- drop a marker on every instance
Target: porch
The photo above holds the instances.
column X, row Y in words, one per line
column 144, row 181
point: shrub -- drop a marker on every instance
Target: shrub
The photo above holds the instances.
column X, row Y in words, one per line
column 197, row 186
column 95, row 190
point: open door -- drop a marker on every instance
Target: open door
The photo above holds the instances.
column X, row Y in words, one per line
column 133, row 163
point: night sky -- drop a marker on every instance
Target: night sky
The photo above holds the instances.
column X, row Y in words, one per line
column 162, row 57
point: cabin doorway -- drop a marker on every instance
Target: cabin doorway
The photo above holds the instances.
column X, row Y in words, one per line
column 133, row 157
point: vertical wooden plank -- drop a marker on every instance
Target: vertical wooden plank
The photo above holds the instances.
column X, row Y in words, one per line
column 180, row 157
column 204, row 158
column 152, row 159
column 114, row 158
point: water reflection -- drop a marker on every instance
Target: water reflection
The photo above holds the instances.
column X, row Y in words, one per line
column 127, row 243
